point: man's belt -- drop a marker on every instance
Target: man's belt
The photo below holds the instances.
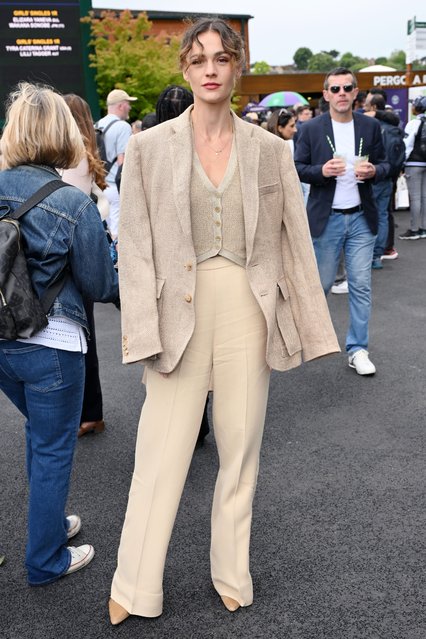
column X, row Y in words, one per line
column 353, row 209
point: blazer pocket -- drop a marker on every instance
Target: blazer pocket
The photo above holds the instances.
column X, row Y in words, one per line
column 285, row 319
column 160, row 285
column 269, row 188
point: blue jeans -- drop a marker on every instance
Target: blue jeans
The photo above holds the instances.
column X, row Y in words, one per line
column 382, row 192
column 351, row 234
column 46, row 385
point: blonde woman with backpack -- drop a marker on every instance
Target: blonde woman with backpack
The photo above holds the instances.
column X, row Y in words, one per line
column 43, row 374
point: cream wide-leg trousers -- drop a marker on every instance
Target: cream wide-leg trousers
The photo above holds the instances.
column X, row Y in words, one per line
column 229, row 341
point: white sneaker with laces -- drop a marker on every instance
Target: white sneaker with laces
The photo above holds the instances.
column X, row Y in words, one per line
column 74, row 525
column 80, row 557
column 361, row 362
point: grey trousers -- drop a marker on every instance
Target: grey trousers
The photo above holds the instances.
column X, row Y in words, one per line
column 416, row 181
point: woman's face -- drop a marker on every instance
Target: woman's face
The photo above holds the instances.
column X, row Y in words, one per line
column 287, row 132
column 210, row 71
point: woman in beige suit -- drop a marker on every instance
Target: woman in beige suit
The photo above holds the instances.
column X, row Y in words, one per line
column 218, row 285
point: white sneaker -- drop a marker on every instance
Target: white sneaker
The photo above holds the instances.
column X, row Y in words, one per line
column 80, row 557
column 361, row 362
column 341, row 287
column 74, row 525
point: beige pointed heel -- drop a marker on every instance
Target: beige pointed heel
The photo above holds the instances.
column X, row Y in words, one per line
column 230, row 604
column 117, row 613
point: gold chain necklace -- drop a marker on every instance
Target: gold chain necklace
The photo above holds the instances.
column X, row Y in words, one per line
column 217, row 151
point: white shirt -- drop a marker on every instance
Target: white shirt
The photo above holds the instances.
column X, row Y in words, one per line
column 116, row 139
column 411, row 129
column 61, row 333
column 347, row 194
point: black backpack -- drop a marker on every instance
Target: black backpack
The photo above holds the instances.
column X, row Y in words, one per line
column 393, row 141
column 100, row 143
column 22, row 313
column 420, row 141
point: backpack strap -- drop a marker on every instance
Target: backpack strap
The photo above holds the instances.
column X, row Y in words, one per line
column 103, row 131
column 109, row 126
column 38, row 196
column 54, row 289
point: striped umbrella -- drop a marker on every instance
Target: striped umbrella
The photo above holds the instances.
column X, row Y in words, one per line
column 282, row 99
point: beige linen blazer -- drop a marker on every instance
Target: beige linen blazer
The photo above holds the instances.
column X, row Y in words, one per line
column 157, row 262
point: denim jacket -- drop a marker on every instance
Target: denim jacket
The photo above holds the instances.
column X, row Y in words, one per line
column 62, row 231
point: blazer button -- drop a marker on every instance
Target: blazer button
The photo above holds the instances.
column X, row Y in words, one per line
column 188, row 266
column 188, row 298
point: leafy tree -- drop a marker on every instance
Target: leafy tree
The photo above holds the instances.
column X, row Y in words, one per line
column 353, row 62
column 127, row 57
column 321, row 62
column 301, row 58
column 348, row 60
column 260, row 68
column 397, row 60
column 333, row 53
column 381, row 60
column 419, row 64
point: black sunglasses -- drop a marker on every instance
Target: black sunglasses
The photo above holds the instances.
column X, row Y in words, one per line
column 347, row 88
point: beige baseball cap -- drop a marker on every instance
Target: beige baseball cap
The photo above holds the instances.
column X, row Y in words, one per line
column 118, row 95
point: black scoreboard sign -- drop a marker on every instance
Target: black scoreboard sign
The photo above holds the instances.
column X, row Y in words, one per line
column 41, row 42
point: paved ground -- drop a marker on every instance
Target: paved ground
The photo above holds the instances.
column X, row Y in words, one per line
column 338, row 544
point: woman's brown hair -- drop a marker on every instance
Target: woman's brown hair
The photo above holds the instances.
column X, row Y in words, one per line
column 82, row 115
column 232, row 42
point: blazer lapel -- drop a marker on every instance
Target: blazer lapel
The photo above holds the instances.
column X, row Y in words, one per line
column 181, row 150
column 357, row 130
column 329, row 132
column 248, row 153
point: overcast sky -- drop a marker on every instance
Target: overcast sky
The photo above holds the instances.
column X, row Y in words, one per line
column 363, row 27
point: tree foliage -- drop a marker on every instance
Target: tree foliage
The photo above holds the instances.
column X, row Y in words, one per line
column 333, row 53
column 260, row 68
column 353, row 62
column 321, row 62
column 397, row 60
column 301, row 58
column 126, row 57
column 419, row 64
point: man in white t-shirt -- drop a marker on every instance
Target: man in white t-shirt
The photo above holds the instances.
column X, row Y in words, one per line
column 115, row 139
column 340, row 154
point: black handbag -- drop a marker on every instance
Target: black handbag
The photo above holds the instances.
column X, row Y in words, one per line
column 22, row 313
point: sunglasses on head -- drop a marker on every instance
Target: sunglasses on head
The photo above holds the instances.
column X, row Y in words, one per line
column 347, row 88
column 283, row 112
